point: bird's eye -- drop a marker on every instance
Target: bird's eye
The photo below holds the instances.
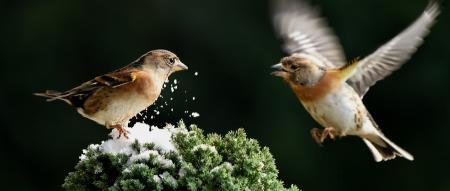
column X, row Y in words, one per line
column 294, row 67
column 172, row 61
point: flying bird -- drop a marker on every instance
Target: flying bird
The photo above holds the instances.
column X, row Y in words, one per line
column 330, row 88
column 114, row 98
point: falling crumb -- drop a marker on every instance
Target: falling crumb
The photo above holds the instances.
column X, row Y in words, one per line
column 171, row 99
column 195, row 114
column 171, row 89
column 151, row 117
column 195, row 73
column 171, row 109
column 193, row 98
column 175, row 81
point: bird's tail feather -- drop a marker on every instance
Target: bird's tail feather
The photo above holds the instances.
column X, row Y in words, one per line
column 52, row 95
column 384, row 149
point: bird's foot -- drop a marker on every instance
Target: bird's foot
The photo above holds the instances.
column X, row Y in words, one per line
column 320, row 135
column 122, row 130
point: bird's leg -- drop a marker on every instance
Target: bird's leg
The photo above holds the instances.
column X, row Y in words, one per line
column 328, row 132
column 121, row 130
column 320, row 135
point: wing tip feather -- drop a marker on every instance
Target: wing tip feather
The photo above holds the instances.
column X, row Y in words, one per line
column 433, row 9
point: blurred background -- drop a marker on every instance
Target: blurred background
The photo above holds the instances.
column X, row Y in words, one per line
column 50, row 44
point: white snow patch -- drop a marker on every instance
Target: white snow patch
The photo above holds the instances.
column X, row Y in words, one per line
column 169, row 179
column 126, row 170
column 83, row 157
column 204, row 147
column 165, row 163
column 161, row 138
column 226, row 165
column 195, row 114
column 91, row 146
column 182, row 172
column 143, row 155
column 156, row 178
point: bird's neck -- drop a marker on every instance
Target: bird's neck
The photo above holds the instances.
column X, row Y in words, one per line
column 325, row 85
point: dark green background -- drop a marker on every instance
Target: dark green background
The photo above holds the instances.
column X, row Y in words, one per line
column 55, row 44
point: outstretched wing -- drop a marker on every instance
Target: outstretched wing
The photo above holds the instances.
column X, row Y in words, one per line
column 394, row 53
column 302, row 30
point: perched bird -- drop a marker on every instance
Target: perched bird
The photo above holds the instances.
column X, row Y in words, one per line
column 112, row 99
column 330, row 89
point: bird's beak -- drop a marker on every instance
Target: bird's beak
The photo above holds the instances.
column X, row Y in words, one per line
column 179, row 66
column 277, row 66
column 279, row 70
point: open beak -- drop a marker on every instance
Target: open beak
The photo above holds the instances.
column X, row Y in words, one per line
column 178, row 66
column 279, row 70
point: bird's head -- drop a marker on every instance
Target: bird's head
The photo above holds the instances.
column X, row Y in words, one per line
column 160, row 62
column 299, row 69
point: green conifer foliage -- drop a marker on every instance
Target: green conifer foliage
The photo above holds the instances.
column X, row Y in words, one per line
column 199, row 162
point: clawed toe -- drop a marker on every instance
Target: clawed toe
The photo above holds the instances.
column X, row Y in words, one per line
column 122, row 131
column 316, row 134
column 320, row 135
